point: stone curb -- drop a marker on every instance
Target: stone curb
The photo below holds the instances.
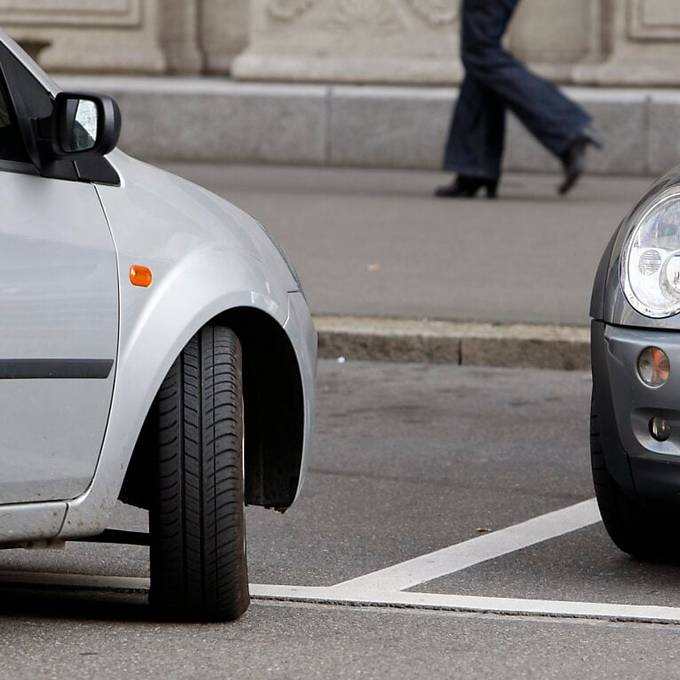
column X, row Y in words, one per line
column 222, row 121
column 467, row 344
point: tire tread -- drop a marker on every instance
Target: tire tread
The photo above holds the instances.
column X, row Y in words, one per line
column 198, row 557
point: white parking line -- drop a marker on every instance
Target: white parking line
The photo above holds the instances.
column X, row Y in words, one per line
column 333, row 597
column 463, row 555
column 383, row 588
column 463, row 603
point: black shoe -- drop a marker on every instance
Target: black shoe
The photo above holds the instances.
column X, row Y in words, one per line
column 574, row 159
column 468, row 187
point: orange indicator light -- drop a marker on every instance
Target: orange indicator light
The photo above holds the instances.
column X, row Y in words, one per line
column 140, row 276
column 654, row 367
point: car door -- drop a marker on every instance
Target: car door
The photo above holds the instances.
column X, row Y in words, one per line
column 58, row 309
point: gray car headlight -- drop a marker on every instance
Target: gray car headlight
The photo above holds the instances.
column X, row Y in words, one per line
column 651, row 261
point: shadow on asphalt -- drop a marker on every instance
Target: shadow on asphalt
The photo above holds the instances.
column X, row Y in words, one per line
column 51, row 603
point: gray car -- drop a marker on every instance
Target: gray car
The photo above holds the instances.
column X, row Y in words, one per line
column 635, row 421
column 156, row 348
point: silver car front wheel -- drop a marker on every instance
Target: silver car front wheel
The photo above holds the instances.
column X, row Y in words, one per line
column 198, row 555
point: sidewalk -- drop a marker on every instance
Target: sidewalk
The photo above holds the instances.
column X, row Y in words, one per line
column 375, row 244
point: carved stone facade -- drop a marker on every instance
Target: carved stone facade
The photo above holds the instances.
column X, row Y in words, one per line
column 130, row 36
column 626, row 42
column 643, row 45
column 608, row 42
column 390, row 41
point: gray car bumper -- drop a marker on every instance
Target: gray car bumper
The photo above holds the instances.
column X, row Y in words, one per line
column 625, row 405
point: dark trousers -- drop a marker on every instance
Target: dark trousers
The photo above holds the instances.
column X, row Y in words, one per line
column 494, row 82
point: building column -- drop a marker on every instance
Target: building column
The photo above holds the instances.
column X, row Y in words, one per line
column 179, row 36
column 223, row 32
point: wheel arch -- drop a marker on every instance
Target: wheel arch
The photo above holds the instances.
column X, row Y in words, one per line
column 274, row 416
column 155, row 325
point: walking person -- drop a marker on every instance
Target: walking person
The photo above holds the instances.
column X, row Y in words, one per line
column 494, row 82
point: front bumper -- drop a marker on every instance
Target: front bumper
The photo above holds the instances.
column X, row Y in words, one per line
column 625, row 405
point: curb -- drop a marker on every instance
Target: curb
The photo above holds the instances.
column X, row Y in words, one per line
column 565, row 348
column 224, row 121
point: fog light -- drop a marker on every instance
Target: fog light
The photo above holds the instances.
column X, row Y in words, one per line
column 654, row 367
column 660, row 429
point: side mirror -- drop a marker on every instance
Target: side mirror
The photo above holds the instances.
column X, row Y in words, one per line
column 84, row 123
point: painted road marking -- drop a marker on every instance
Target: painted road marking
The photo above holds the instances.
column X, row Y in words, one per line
column 457, row 557
column 464, row 603
column 384, row 588
column 414, row 601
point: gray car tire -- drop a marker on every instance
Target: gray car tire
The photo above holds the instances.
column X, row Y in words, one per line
column 638, row 527
column 197, row 523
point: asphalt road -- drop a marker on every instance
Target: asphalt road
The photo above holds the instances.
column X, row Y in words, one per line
column 408, row 459
column 375, row 243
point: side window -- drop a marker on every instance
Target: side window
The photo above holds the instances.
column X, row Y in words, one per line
column 23, row 102
column 11, row 143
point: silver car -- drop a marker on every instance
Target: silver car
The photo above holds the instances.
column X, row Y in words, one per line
column 156, row 348
column 635, row 421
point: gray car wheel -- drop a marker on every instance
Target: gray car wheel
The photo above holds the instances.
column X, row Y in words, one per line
column 643, row 529
column 198, row 555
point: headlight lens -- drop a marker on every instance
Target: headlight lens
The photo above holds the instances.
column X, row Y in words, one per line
column 651, row 261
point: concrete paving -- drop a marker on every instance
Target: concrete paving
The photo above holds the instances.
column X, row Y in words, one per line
column 375, row 243
column 408, row 459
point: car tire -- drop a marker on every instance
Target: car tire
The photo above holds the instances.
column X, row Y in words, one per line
column 640, row 528
column 197, row 523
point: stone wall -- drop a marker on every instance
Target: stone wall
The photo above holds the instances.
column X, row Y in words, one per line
column 389, row 41
column 588, row 42
column 130, row 36
column 626, row 42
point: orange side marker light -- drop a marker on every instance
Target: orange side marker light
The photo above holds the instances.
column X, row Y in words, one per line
column 140, row 276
